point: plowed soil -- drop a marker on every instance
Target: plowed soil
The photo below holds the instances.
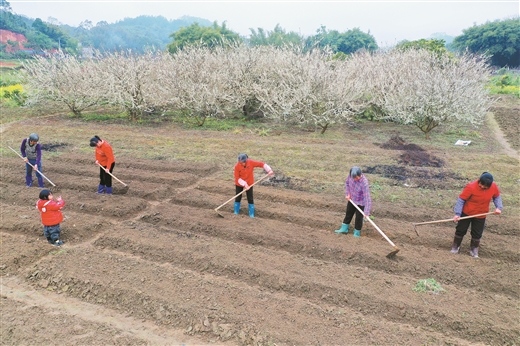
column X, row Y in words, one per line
column 156, row 265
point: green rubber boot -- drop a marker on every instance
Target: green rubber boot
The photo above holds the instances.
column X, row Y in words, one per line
column 343, row 229
column 357, row 233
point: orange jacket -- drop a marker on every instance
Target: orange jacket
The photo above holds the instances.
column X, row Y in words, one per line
column 476, row 199
column 246, row 173
column 50, row 211
column 105, row 155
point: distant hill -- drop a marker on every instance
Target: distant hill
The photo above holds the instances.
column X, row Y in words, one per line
column 137, row 33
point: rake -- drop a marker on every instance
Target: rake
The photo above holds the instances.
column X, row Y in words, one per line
column 396, row 249
column 446, row 220
column 33, row 167
column 232, row 198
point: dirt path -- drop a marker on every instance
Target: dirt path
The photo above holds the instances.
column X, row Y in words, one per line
column 500, row 137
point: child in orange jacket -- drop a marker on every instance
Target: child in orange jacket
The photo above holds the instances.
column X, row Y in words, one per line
column 50, row 212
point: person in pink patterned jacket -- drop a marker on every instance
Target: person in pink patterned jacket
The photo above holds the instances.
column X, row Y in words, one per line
column 357, row 190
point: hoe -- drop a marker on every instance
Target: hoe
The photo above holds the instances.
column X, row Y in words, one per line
column 396, row 249
column 232, row 198
column 446, row 220
column 125, row 187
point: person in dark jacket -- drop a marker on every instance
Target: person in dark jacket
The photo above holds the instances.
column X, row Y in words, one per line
column 32, row 154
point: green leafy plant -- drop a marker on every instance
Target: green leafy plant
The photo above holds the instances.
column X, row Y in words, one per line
column 428, row 285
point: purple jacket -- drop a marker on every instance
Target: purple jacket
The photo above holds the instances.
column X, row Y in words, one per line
column 359, row 191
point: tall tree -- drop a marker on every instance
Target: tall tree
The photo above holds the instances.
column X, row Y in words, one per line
column 499, row 39
column 212, row 36
column 347, row 42
column 278, row 37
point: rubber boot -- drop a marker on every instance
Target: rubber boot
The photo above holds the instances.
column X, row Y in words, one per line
column 40, row 182
column 109, row 190
column 237, row 208
column 456, row 244
column 251, row 208
column 101, row 189
column 343, row 228
column 473, row 247
column 28, row 181
column 357, row 233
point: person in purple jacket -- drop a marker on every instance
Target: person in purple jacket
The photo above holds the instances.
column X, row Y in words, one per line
column 32, row 154
column 357, row 190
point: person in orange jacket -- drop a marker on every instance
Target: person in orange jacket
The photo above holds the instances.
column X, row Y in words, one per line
column 473, row 200
column 104, row 157
column 244, row 178
column 50, row 211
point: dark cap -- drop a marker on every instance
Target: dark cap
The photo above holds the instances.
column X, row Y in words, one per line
column 486, row 179
column 242, row 158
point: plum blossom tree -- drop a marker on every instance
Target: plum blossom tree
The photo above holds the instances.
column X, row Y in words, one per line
column 63, row 79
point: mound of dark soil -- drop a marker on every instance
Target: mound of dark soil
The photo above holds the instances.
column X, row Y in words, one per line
column 418, row 177
column 54, row 146
column 397, row 143
column 421, row 159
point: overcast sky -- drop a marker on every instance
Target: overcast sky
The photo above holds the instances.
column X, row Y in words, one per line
column 388, row 21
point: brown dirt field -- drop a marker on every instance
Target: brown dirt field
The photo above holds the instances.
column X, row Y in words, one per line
column 157, row 266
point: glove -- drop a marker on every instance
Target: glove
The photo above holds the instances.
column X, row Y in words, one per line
column 271, row 173
column 246, row 186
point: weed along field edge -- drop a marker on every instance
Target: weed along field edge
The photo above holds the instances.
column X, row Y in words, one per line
column 156, row 265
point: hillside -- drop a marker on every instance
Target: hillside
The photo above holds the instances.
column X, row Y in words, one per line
column 137, row 34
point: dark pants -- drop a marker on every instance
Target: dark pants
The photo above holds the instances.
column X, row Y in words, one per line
column 105, row 179
column 477, row 227
column 28, row 173
column 249, row 194
column 351, row 210
column 52, row 232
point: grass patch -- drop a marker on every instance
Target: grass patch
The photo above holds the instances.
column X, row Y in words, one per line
column 428, row 286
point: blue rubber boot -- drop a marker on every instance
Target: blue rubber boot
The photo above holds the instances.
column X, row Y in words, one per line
column 101, row 189
column 343, row 229
column 251, row 210
column 237, row 208
column 109, row 190
column 357, row 233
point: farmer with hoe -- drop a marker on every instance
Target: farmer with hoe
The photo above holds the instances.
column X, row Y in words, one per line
column 32, row 154
column 105, row 159
column 244, row 178
column 474, row 200
column 357, row 190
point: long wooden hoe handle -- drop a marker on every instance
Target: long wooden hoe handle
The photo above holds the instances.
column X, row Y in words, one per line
column 373, row 224
column 232, row 198
column 113, row 176
column 17, row 153
column 447, row 220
